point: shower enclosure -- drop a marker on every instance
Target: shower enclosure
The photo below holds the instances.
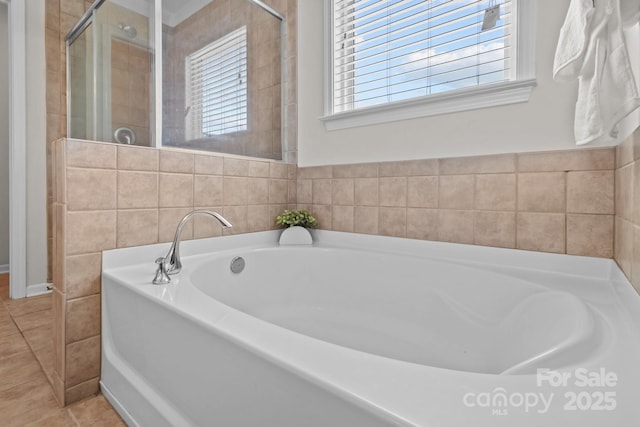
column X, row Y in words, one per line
column 198, row 74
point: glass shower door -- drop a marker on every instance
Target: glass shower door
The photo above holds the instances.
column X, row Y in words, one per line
column 125, row 78
column 80, row 85
column 110, row 75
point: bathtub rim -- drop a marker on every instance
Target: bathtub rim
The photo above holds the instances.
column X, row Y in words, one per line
column 573, row 265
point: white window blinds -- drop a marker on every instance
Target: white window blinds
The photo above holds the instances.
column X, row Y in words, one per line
column 216, row 87
column 393, row 50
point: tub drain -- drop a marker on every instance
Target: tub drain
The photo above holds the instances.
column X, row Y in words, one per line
column 237, row 265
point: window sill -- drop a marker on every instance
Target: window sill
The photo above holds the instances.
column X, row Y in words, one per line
column 460, row 100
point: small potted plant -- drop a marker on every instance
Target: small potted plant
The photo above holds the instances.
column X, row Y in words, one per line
column 296, row 225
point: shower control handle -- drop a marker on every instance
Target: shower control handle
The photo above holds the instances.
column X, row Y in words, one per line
column 125, row 135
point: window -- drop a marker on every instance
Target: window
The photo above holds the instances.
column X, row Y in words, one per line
column 425, row 57
column 216, row 87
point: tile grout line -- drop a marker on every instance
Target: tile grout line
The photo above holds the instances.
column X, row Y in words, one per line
column 566, row 209
column 72, row 416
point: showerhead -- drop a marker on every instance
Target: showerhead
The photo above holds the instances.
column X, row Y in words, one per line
column 128, row 30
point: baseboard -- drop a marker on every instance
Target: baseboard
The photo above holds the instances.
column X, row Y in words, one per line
column 4, row 268
column 39, row 289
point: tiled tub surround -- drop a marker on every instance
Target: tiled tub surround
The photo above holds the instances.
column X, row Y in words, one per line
column 560, row 202
column 113, row 196
column 627, row 201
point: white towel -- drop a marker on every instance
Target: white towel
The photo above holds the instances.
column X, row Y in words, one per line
column 592, row 49
column 572, row 43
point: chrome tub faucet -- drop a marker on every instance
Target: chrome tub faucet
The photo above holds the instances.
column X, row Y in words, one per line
column 170, row 264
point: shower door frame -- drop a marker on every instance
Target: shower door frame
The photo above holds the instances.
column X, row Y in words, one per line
column 88, row 19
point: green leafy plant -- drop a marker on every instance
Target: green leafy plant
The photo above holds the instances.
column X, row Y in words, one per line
column 291, row 218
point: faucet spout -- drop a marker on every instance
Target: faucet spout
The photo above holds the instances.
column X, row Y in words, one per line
column 171, row 263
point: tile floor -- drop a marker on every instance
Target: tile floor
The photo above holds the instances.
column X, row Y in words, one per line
column 26, row 365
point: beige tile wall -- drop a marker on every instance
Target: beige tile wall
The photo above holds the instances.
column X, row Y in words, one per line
column 112, row 196
column 130, row 89
column 627, row 202
column 560, row 202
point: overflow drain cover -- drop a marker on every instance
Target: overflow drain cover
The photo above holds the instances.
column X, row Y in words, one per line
column 237, row 265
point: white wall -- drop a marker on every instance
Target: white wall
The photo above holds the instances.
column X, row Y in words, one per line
column 632, row 35
column 36, row 146
column 544, row 123
column 4, row 137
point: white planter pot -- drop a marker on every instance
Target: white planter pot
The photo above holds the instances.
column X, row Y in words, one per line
column 295, row 236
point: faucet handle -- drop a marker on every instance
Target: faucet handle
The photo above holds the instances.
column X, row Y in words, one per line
column 161, row 278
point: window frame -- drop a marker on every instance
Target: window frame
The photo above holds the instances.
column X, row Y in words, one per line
column 194, row 125
column 484, row 96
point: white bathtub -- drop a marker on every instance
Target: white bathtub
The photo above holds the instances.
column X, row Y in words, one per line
column 368, row 331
